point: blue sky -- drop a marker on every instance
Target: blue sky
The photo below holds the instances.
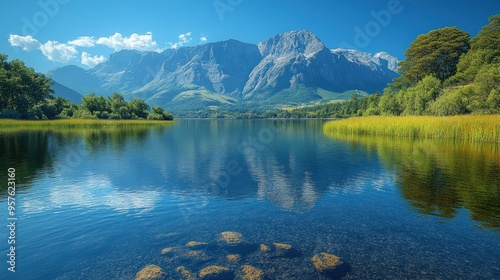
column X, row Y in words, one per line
column 52, row 33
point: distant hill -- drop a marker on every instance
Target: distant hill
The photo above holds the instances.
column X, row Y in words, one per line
column 66, row 93
column 288, row 69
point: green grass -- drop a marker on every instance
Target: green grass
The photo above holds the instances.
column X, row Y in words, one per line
column 6, row 124
column 467, row 127
column 205, row 96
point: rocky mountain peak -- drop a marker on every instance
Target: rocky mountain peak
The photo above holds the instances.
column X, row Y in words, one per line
column 391, row 60
column 291, row 43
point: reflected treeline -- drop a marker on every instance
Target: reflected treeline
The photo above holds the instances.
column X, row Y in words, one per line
column 27, row 153
column 439, row 177
column 115, row 138
column 34, row 151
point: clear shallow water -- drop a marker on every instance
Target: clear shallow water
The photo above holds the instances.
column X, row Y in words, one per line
column 102, row 204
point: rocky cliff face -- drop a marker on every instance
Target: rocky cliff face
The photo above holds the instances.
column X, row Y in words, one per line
column 221, row 68
column 235, row 72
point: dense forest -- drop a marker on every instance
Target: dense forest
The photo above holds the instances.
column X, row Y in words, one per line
column 26, row 94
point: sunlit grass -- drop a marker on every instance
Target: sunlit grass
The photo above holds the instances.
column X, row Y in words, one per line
column 10, row 125
column 467, row 127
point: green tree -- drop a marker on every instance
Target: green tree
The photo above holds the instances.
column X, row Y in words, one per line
column 493, row 101
column 436, row 53
column 158, row 113
column 484, row 49
column 449, row 104
column 353, row 105
column 94, row 103
column 138, row 108
column 486, row 84
column 390, row 104
column 21, row 88
column 118, row 107
column 53, row 107
column 417, row 99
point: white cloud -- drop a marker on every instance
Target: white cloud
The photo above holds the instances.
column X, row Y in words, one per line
column 28, row 43
column 92, row 61
column 83, row 41
column 203, row 39
column 59, row 52
column 183, row 39
column 134, row 42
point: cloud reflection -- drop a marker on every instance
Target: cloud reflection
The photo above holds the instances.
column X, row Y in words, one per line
column 95, row 192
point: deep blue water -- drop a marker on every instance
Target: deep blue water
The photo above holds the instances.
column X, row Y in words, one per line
column 102, row 204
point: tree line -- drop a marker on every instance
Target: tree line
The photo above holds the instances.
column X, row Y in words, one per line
column 26, row 94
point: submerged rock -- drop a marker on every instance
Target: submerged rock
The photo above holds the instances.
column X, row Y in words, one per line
column 233, row 257
column 325, row 262
column 215, row 272
column 197, row 256
column 282, row 246
column 182, row 254
column 150, row 272
column 231, row 237
column 264, row 248
column 234, row 243
column 248, row 272
column 283, row 250
column 196, row 245
column 167, row 250
column 184, row 273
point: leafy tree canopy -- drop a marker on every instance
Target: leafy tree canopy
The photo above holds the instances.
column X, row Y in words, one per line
column 21, row 88
column 436, row 53
column 484, row 50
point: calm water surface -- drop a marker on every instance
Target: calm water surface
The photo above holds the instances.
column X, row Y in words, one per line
column 102, row 204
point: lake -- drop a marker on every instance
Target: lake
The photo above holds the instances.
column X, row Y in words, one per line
column 104, row 203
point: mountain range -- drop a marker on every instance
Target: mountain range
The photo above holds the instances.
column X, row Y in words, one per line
column 290, row 68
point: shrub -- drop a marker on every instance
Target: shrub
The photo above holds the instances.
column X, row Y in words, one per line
column 9, row 114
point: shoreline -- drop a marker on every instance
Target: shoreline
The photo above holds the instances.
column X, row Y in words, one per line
column 76, row 123
column 476, row 128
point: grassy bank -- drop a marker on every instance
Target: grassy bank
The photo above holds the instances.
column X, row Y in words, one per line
column 467, row 127
column 6, row 124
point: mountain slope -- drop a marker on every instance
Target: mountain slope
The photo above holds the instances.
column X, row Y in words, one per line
column 283, row 65
column 289, row 68
column 128, row 69
column 77, row 79
column 67, row 93
column 220, row 68
column 298, row 59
